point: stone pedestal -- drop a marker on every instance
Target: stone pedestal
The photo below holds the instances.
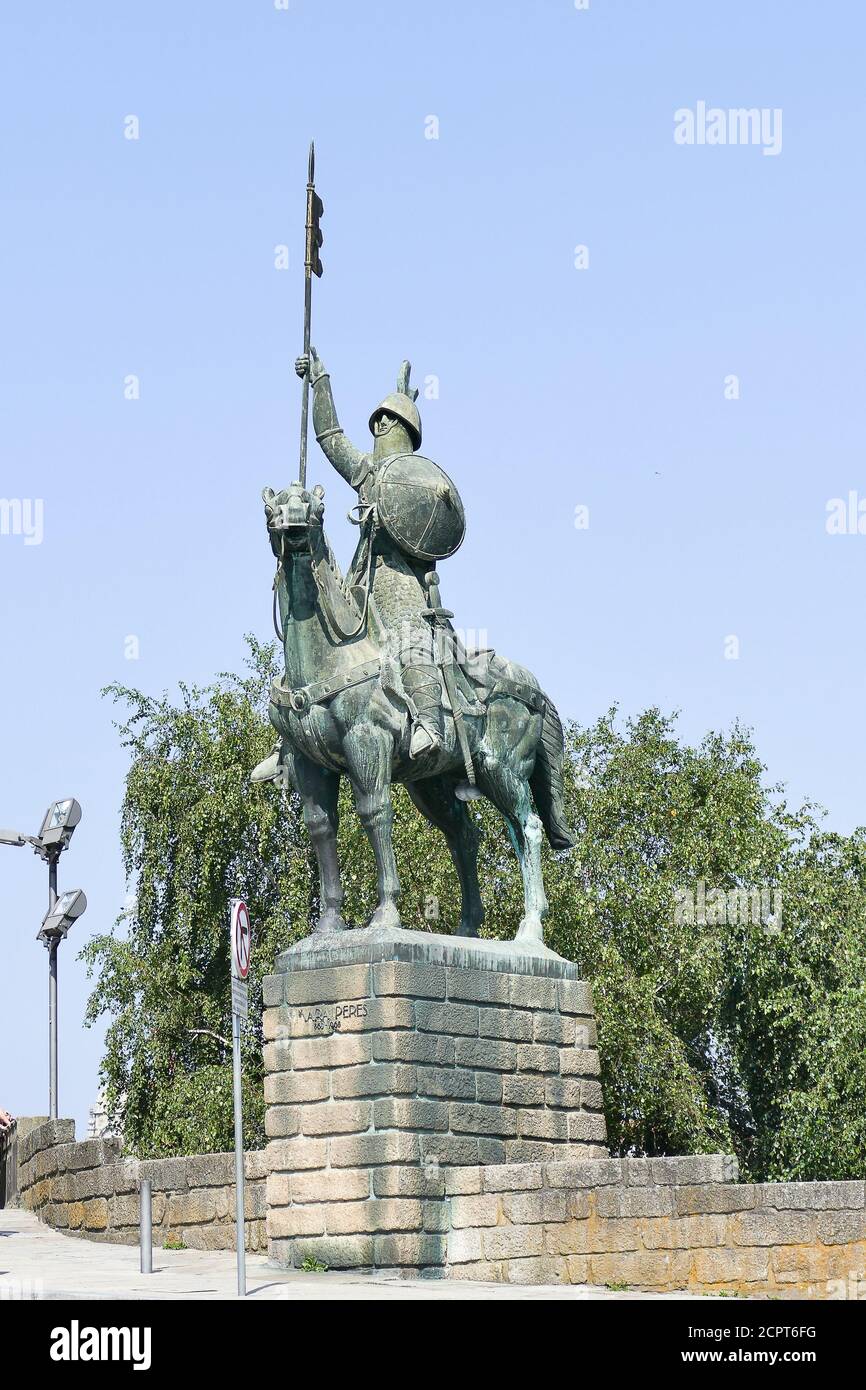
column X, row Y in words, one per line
column 392, row 1057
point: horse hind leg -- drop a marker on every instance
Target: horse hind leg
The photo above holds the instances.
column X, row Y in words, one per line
column 534, row 897
column 510, row 793
column 435, row 798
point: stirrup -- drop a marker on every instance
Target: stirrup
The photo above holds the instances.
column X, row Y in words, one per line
column 424, row 739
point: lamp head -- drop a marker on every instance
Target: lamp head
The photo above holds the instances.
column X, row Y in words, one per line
column 65, row 912
column 60, row 821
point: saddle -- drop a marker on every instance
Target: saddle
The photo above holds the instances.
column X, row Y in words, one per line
column 492, row 676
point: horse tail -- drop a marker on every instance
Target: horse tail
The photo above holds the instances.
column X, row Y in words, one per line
column 546, row 780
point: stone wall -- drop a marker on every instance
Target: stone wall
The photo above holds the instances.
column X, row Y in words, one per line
column 9, row 1167
column 431, row 1106
column 664, row 1224
column 10, row 1141
column 88, row 1189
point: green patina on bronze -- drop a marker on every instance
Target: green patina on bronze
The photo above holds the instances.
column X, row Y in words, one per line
column 378, row 685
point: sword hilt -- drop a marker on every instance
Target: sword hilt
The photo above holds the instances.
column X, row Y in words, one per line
column 435, row 612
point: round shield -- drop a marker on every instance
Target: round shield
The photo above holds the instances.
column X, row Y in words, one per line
column 419, row 507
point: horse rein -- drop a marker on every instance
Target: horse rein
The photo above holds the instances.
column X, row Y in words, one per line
column 366, row 517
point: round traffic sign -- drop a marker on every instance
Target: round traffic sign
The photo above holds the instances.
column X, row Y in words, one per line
column 241, row 937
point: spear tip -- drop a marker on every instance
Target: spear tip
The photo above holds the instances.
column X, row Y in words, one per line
column 312, row 164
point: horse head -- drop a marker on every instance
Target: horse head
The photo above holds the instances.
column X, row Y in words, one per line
column 294, row 518
column 296, row 531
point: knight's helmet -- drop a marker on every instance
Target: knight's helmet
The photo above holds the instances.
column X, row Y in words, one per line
column 401, row 404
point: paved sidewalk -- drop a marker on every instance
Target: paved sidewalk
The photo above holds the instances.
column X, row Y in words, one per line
column 37, row 1262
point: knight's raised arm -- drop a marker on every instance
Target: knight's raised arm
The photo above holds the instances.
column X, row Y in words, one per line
column 349, row 462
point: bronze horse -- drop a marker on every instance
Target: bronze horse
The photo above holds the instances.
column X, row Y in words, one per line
column 342, row 711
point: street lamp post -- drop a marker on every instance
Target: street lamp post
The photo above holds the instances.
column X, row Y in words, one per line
column 64, row 911
column 58, row 825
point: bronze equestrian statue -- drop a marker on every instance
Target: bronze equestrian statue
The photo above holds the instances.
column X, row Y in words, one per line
column 378, row 686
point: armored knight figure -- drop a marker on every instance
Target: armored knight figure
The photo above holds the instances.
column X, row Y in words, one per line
column 378, row 690
column 409, row 515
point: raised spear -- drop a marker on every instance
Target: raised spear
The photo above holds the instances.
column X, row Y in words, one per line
column 312, row 266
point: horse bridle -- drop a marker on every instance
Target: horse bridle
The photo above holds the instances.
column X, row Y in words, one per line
column 366, row 517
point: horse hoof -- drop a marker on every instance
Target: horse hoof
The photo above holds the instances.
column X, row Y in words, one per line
column 386, row 915
column 329, row 922
column 530, row 929
column 467, row 929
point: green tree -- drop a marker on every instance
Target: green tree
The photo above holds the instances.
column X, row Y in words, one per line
column 730, row 1034
column 194, row 833
column 796, row 1017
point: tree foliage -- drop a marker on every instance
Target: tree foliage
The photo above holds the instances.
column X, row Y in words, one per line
column 744, row 1035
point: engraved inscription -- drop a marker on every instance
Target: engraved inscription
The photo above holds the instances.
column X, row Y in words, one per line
column 330, row 1018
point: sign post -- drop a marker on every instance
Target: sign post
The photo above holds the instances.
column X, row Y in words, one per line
column 240, row 955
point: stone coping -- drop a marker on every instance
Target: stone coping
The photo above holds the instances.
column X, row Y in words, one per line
column 369, row 945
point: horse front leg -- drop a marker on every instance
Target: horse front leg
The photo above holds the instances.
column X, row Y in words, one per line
column 319, row 790
column 369, row 753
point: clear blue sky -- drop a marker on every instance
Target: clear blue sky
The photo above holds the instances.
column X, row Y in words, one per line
column 559, row 387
